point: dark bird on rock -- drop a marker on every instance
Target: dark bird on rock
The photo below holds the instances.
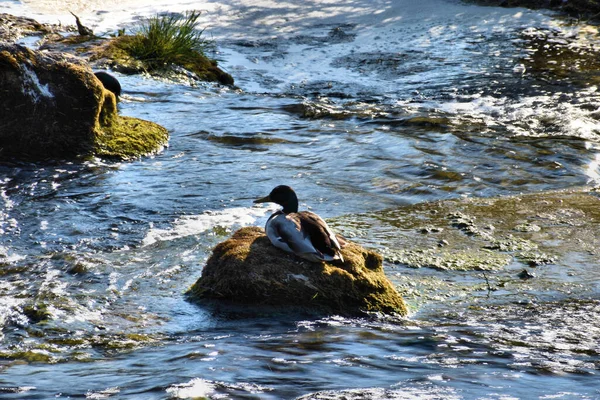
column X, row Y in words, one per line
column 82, row 29
column 109, row 82
column 303, row 233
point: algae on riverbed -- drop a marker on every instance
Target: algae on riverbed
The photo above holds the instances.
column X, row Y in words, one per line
column 562, row 57
column 461, row 240
column 462, row 260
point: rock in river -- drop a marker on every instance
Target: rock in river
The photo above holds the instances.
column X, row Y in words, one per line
column 53, row 106
column 247, row 269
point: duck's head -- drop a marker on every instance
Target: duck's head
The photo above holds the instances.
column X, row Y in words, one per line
column 284, row 196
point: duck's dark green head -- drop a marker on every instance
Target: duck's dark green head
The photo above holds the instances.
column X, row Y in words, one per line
column 284, row 196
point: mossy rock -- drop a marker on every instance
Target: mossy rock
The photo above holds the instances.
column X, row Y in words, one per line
column 57, row 109
column 37, row 312
column 247, row 269
column 110, row 52
column 115, row 53
column 127, row 138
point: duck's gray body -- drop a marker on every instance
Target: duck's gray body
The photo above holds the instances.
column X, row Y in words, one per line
column 303, row 233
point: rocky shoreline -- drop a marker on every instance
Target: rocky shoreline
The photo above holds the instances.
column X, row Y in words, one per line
column 59, row 109
column 103, row 52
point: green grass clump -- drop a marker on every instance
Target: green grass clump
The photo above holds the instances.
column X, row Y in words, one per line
column 168, row 39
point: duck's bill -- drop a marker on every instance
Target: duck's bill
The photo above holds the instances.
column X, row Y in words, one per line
column 265, row 199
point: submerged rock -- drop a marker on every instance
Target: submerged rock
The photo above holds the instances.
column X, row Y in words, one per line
column 581, row 9
column 55, row 107
column 248, row 269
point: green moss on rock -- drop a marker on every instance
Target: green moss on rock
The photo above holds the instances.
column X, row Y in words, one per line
column 13, row 27
column 128, row 137
column 118, row 55
column 115, row 55
column 582, row 9
column 57, row 108
column 248, row 269
column 535, row 258
column 511, row 243
column 457, row 260
column 30, row 356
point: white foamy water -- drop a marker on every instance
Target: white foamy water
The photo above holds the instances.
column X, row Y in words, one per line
column 190, row 225
column 377, row 26
column 296, row 54
column 195, row 388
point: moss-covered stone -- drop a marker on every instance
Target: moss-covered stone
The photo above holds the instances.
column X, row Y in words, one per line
column 31, row 356
column 57, row 108
column 117, row 54
column 37, row 312
column 128, row 137
column 112, row 53
column 511, row 243
column 107, row 52
column 535, row 258
column 248, row 269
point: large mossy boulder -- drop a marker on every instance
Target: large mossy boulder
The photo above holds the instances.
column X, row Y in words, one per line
column 53, row 106
column 247, row 269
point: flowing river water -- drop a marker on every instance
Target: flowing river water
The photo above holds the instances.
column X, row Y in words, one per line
column 411, row 126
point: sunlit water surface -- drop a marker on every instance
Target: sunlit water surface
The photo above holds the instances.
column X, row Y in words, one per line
column 360, row 107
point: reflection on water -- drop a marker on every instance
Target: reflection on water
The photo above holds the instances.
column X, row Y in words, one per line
column 371, row 111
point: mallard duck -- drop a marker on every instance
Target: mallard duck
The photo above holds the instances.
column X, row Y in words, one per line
column 302, row 233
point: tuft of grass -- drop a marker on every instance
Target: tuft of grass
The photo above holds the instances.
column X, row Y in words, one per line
column 168, row 39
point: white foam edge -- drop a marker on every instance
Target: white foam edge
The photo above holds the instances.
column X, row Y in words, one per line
column 189, row 225
column 196, row 388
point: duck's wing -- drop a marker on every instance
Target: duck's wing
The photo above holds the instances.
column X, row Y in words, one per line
column 321, row 236
column 284, row 232
column 304, row 234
